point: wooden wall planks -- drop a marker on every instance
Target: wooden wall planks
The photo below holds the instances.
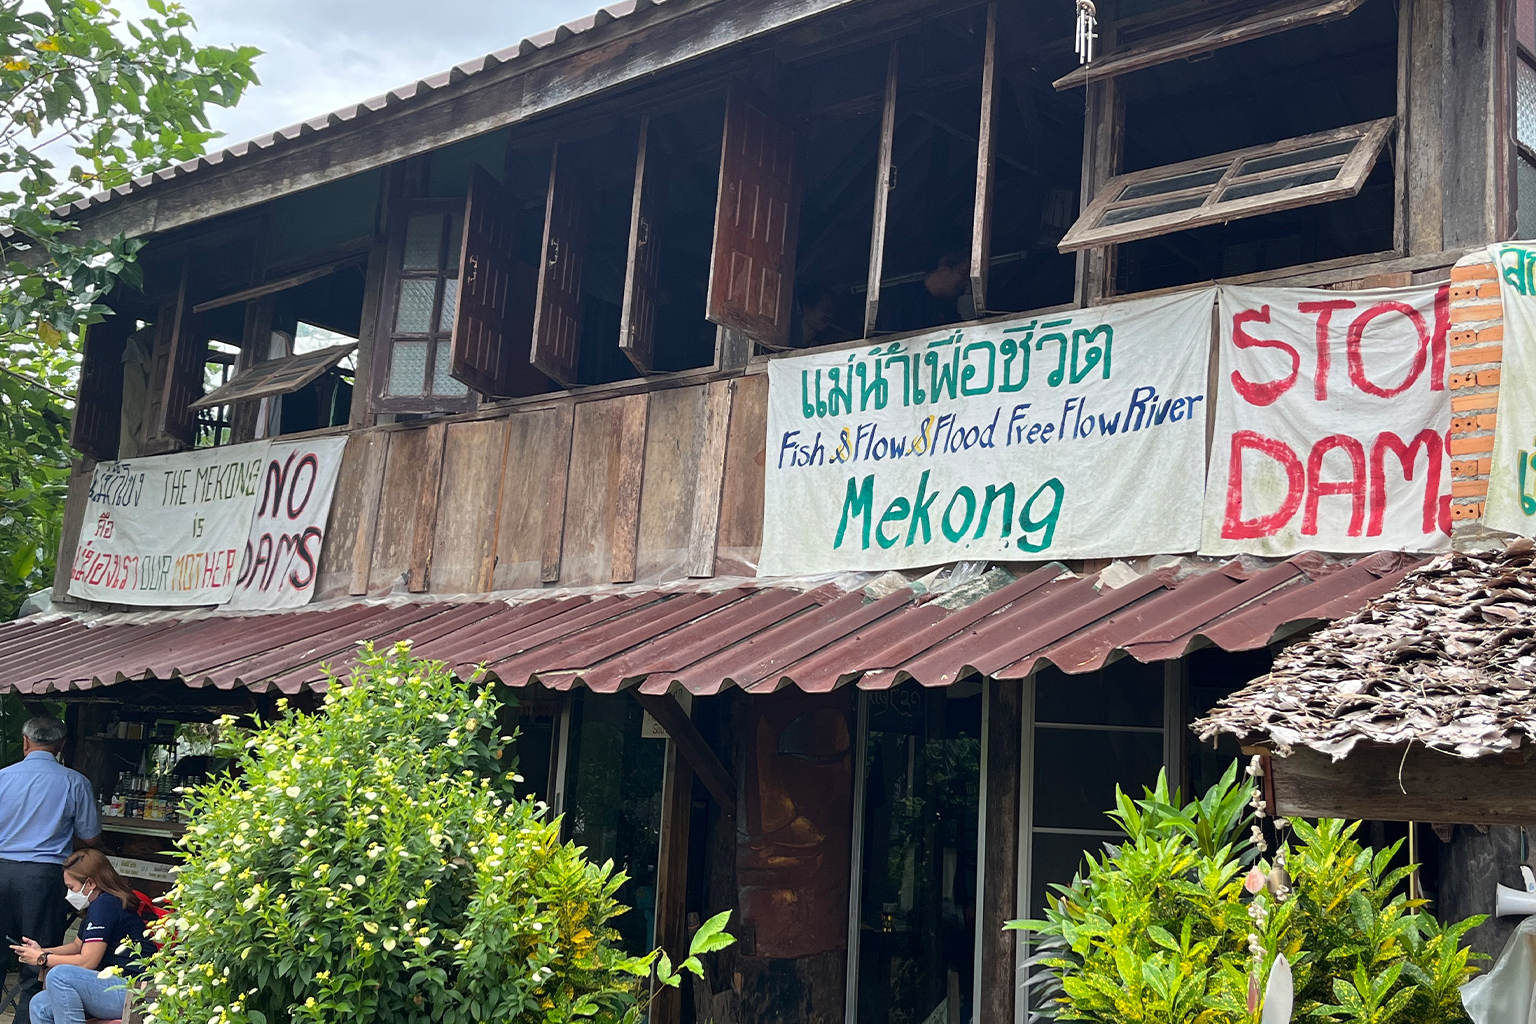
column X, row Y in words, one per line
column 674, row 441
column 739, row 537
column 586, row 555
column 634, row 411
column 532, row 495
column 464, row 541
column 404, row 479
column 338, row 552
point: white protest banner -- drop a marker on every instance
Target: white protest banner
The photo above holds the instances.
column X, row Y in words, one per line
column 287, row 531
column 167, row 530
column 1511, row 503
column 1072, row 435
column 1331, row 417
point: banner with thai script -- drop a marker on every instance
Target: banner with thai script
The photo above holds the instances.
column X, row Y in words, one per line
column 1331, row 419
column 168, row 530
column 282, row 551
column 1511, row 502
column 1074, row 435
column 173, row 530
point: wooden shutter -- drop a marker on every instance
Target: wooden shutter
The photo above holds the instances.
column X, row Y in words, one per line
column 184, row 369
column 752, row 267
column 885, row 173
column 556, row 348
column 1230, row 186
column 637, row 321
column 981, row 223
column 485, row 354
column 98, row 421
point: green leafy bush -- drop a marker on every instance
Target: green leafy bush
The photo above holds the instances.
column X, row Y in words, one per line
column 369, row 864
column 1157, row 930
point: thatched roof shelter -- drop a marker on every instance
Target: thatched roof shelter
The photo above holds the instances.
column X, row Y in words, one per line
column 1426, row 698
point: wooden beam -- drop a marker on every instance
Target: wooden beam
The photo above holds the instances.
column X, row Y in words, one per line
column 691, row 743
column 75, row 501
column 672, row 877
column 981, row 219
column 1379, row 783
column 281, row 284
column 884, row 172
column 1000, row 863
column 624, row 52
column 554, row 508
column 626, row 496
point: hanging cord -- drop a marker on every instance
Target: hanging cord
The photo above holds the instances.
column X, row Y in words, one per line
column 1087, row 30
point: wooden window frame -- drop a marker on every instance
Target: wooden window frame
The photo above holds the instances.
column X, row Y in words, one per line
column 385, row 335
column 1229, row 25
column 1220, row 173
column 272, row 377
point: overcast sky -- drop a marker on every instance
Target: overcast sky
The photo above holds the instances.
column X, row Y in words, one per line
column 324, row 54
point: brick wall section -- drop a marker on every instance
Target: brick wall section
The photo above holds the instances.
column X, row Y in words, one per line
column 1476, row 345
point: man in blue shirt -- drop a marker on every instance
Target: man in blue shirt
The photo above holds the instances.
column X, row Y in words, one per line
column 43, row 807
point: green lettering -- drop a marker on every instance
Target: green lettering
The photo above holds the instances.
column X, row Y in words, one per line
column 1008, row 493
column 894, row 513
column 860, row 500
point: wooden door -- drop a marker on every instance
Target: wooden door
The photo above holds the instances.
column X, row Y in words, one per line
column 556, row 348
column 981, row 223
column 98, row 417
column 885, row 173
column 637, row 321
column 752, row 267
column 484, row 349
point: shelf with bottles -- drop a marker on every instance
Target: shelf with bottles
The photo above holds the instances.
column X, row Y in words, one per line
column 147, row 796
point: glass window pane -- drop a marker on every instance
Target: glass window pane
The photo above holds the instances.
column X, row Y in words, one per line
column 1312, row 154
column 1525, row 196
column 450, row 305
column 423, row 238
column 1264, row 186
column 1126, row 214
column 413, row 315
column 1525, row 103
column 917, row 908
column 1125, row 693
column 1162, row 186
column 455, row 243
column 613, row 804
column 443, row 383
column 1076, row 771
column 408, row 368
column 1055, row 860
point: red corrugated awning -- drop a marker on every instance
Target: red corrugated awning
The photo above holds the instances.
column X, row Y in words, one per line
column 759, row 635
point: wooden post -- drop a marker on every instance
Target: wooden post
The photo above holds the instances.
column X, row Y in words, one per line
column 1103, row 141
column 672, row 876
column 1000, row 859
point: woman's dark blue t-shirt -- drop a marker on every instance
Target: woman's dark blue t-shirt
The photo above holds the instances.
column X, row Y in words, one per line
column 107, row 920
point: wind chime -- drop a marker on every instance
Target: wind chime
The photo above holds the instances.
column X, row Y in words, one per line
column 1087, row 31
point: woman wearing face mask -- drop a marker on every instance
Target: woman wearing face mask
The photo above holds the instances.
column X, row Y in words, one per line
column 112, row 935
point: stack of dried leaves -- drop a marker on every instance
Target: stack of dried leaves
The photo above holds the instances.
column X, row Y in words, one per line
column 1447, row 659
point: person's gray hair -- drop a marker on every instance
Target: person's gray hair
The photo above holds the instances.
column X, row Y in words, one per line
column 44, row 731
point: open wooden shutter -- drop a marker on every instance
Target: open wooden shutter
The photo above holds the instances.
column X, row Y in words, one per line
column 98, row 421
column 185, row 365
column 556, row 347
column 885, row 174
column 485, row 350
column 981, row 223
column 637, row 321
column 752, row 268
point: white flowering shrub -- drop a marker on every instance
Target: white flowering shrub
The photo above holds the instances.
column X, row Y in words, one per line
column 369, row 864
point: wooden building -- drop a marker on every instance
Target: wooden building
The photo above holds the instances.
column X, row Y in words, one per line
column 538, row 293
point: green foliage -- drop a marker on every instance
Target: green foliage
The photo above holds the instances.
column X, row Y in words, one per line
column 369, row 864
column 1156, row 932
column 110, row 99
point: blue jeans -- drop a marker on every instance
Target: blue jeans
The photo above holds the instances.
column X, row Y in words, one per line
column 73, row 994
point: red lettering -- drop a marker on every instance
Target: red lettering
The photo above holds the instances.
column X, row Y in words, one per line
column 1407, row 456
column 1357, row 362
column 308, row 552
column 1324, row 311
column 1437, row 347
column 1236, row 527
column 311, row 463
column 1261, row 392
column 1318, row 488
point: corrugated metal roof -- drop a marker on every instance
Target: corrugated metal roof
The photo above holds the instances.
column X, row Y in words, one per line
column 355, row 114
column 759, row 635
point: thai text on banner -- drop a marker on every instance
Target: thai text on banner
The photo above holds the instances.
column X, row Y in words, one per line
column 1071, row 435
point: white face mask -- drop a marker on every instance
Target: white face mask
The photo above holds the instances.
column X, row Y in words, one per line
column 77, row 899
